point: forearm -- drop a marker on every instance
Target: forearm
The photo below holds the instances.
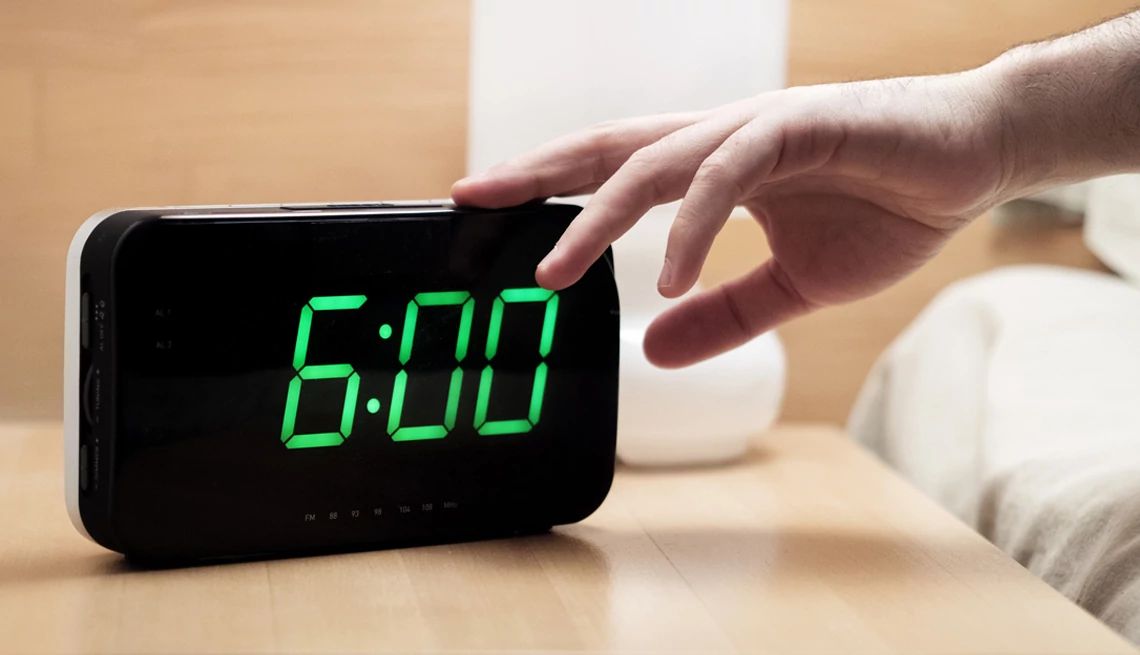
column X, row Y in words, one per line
column 1069, row 108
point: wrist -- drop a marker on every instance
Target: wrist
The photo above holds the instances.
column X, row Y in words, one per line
column 1022, row 86
column 1067, row 109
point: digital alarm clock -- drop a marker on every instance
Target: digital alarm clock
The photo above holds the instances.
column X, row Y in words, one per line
column 244, row 381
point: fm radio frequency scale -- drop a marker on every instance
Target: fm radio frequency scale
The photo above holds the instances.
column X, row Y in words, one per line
column 253, row 380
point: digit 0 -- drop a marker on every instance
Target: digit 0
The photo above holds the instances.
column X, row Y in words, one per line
column 487, row 378
column 407, row 339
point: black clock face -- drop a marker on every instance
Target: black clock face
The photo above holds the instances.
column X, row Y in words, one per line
column 285, row 384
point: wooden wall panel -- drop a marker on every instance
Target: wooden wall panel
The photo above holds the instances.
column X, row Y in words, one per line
column 838, row 40
column 138, row 102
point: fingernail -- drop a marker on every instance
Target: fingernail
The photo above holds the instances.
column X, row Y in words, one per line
column 549, row 257
column 477, row 176
column 666, row 279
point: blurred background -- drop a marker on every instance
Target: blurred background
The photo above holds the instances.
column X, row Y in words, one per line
column 144, row 102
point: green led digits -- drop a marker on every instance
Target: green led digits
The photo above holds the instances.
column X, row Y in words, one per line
column 319, row 372
column 304, row 372
column 407, row 339
column 487, row 378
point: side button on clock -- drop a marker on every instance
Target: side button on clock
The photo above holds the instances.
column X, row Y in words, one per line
column 83, row 467
column 90, row 396
column 337, row 205
column 85, row 319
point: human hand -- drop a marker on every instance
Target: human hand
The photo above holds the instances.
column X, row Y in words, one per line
column 855, row 185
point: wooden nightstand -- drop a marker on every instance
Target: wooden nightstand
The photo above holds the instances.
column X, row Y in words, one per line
column 809, row 545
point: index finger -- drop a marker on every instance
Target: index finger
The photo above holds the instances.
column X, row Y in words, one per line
column 572, row 164
column 655, row 175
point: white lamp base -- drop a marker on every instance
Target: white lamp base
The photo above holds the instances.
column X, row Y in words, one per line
column 700, row 414
column 703, row 414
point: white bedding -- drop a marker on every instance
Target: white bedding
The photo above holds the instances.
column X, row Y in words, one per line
column 1014, row 400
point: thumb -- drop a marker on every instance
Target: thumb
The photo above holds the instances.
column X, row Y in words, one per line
column 720, row 319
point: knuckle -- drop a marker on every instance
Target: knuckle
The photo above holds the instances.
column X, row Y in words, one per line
column 783, row 282
column 608, row 125
column 716, row 173
column 644, row 172
column 714, row 170
column 602, row 136
column 642, row 159
column 737, row 314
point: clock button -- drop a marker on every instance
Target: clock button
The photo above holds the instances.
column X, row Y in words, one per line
column 336, row 205
column 83, row 468
column 85, row 320
column 90, row 396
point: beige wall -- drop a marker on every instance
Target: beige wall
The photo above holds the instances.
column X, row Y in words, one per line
column 188, row 101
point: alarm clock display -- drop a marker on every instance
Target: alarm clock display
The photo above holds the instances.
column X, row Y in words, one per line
column 248, row 381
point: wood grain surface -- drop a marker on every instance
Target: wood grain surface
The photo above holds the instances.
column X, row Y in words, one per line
column 807, row 546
